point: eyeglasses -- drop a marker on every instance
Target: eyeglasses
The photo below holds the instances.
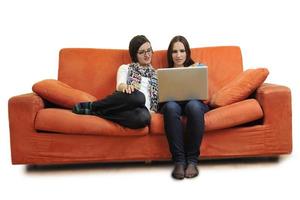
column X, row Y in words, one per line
column 144, row 52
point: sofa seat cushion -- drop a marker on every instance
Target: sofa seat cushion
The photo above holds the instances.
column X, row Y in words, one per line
column 219, row 118
column 64, row 121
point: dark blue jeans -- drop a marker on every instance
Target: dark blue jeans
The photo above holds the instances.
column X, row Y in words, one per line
column 184, row 147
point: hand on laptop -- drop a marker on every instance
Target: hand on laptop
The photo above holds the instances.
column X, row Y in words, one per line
column 194, row 65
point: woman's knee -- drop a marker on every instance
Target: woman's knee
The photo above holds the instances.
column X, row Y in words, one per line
column 141, row 118
column 195, row 106
column 171, row 107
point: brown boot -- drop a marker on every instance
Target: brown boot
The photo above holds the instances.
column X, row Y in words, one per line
column 191, row 171
column 178, row 171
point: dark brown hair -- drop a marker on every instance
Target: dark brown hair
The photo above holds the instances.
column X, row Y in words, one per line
column 134, row 45
column 188, row 61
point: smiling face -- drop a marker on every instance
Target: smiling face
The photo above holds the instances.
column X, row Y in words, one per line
column 178, row 54
column 144, row 54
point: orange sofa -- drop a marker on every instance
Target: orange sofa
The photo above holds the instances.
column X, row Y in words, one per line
column 41, row 133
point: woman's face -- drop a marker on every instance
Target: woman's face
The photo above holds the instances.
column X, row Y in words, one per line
column 178, row 54
column 144, row 54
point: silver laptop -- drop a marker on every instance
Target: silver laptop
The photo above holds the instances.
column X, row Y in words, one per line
column 180, row 84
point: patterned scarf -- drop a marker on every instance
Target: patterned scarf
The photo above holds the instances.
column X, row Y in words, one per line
column 135, row 73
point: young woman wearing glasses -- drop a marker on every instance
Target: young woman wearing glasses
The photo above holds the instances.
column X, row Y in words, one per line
column 136, row 90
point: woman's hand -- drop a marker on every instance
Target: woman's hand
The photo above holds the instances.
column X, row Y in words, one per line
column 126, row 88
column 195, row 64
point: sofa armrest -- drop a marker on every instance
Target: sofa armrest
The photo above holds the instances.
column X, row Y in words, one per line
column 275, row 101
column 22, row 111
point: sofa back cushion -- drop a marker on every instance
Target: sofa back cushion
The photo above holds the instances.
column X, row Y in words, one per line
column 94, row 70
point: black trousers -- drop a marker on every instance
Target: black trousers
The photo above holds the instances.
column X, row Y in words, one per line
column 128, row 110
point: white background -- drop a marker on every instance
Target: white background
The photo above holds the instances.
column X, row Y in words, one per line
column 32, row 33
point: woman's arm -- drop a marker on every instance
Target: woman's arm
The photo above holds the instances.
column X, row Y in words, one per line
column 121, row 85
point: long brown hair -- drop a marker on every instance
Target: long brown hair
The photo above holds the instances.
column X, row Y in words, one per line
column 188, row 61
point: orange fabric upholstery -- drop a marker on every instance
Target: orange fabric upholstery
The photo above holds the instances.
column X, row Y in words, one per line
column 224, row 64
column 40, row 135
column 219, row 118
column 233, row 115
column 239, row 88
column 91, row 70
column 66, row 122
column 73, row 63
column 275, row 101
column 60, row 93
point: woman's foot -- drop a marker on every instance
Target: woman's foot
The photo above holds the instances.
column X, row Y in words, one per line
column 82, row 108
column 178, row 171
column 191, row 171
